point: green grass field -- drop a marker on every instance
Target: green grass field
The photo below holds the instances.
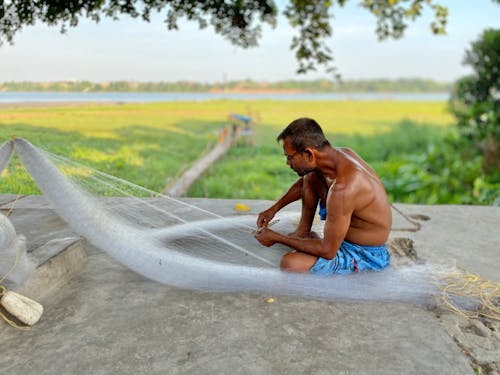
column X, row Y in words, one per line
column 151, row 144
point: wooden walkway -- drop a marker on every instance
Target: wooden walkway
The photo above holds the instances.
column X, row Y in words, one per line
column 180, row 187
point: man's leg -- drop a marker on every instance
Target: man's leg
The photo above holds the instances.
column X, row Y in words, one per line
column 297, row 262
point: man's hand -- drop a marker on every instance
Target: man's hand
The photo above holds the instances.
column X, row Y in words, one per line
column 265, row 236
column 265, row 217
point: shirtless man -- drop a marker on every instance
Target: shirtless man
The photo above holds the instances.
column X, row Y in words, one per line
column 352, row 200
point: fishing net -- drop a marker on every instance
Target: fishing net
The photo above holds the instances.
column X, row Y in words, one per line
column 179, row 244
column 15, row 265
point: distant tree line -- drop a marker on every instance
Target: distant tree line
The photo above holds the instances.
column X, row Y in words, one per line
column 319, row 86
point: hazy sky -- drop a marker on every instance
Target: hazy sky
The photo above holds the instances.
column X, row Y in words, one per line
column 135, row 50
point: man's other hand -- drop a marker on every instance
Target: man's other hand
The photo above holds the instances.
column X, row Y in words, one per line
column 265, row 236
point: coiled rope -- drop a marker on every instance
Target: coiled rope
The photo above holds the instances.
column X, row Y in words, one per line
column 463, row 285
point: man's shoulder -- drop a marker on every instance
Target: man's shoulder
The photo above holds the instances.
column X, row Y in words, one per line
column 354, row 183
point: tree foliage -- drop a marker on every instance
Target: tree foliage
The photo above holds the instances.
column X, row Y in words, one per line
column 239, row 21
column 476, row 99
column 463, row 168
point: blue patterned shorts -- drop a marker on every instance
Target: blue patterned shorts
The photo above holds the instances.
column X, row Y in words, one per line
column 353, row 258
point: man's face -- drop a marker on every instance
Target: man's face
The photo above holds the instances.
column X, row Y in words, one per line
column 294, row 158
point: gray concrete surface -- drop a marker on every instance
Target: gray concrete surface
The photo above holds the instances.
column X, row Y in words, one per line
column 109, row 320
column 57, row 251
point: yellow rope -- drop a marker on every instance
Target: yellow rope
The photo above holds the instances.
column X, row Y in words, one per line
column 14, row 203
column 472, row 288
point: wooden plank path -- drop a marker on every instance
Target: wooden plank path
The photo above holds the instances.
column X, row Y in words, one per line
column 180, row 187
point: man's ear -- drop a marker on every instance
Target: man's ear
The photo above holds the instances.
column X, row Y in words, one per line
column 309, row 152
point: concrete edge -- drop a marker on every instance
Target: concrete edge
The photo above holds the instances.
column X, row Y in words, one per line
column 55, row 272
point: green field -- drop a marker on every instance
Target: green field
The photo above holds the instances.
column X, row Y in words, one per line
column 151, row 144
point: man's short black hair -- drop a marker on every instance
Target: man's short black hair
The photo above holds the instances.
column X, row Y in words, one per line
column 304, row 132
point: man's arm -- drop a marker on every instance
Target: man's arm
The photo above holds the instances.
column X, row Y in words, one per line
column 293, row 194
column 340, row 207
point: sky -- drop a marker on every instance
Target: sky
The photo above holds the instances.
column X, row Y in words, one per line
column 135, row 50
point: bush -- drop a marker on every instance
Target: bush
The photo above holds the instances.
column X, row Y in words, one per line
column 475, row 101
column 448, row 173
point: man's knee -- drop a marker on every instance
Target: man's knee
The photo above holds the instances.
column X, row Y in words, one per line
column 287, row 262
column 296, row 262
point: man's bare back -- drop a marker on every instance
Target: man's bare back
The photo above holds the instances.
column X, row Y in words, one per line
column 358, row 211
column 371, row 218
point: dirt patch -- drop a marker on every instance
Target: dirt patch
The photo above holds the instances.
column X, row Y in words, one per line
column 402, row 251
column 476, row 338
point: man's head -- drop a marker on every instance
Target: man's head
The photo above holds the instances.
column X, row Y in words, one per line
column 299, row 138
column 304, row 132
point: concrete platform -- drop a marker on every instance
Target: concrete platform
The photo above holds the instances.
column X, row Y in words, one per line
column 57, row 251
column 109, row 320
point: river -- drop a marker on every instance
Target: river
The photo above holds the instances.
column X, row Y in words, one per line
column 142, row 97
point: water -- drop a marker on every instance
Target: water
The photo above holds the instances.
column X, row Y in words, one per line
column 140, row 97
